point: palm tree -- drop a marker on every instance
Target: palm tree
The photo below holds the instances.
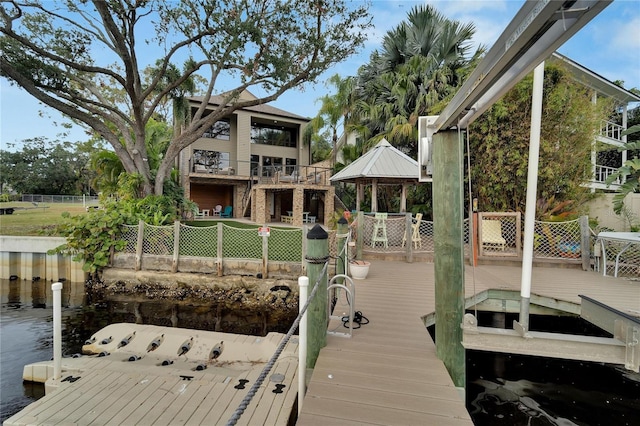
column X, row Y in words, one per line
column 421, row 63
column 336, row 110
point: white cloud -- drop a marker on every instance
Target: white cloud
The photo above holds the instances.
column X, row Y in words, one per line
column 624, row 36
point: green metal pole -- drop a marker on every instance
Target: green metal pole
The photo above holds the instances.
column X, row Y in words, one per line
column 449, row 252
column 317, row 254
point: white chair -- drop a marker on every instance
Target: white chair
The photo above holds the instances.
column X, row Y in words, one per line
column 380, row 230
column 492, row 235
column 217, row 210
column 201, row 214
column 415, row 233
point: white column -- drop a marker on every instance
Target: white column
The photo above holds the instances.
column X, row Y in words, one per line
column 303, row 285
column 532, row 186
column 57, row 329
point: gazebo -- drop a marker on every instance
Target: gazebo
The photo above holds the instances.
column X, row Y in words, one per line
column 382, row 165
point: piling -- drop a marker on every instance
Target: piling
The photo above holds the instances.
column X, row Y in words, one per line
column 449, row 252
column 317, row 255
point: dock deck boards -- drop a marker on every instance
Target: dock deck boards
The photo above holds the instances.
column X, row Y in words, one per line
column 388, row 373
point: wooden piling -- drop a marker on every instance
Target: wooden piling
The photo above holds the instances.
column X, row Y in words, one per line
column 317, row 254
column 449, row 252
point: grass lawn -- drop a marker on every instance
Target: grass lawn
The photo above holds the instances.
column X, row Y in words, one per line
column 31, row 220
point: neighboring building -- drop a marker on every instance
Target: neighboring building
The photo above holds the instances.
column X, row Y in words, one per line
column 256, row 162
column 606, row 159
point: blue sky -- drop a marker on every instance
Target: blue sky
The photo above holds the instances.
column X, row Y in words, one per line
column 609, row 45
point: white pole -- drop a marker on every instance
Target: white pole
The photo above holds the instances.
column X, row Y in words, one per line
column 57, row 330
column 303, row 284
column 532, row 187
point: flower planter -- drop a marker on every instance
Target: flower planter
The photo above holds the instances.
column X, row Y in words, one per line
column 358, row 269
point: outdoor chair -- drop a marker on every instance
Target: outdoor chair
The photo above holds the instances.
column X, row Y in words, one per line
column 217, row 210
column 492, row 235
column 380, row 230
column 227, row 213
column 201, row 214
column 415, row 233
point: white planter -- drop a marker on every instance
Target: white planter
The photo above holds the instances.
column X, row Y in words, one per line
column 359, row 269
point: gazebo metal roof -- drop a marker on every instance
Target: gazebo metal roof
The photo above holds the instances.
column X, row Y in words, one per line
column 383, row 162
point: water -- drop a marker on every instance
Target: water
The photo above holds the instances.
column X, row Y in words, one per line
column 501, row 389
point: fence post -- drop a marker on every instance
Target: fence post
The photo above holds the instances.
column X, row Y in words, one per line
column 265, row 255
column 408, row 237
column 585, row 242
column 219, row 250
column 341, row 239
column 176, row 246
column 139, row 246
column 360, row 235
column 317, row 255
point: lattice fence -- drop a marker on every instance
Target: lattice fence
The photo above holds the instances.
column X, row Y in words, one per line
column 241, row 243
column 627, row 254
column 285, row 245
column 557, row 240
column 198, row 241
column 158, row 240
column 130, row 235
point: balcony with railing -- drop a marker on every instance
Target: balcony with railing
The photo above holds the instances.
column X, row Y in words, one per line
column 611, row 131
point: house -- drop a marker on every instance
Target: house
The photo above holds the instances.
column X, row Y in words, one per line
column 605, row 157
column 255, row 161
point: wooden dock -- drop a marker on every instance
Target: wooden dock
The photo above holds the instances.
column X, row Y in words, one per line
column 388, row 373
column 111, row 390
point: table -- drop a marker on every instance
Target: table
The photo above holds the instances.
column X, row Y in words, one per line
column 624, row 237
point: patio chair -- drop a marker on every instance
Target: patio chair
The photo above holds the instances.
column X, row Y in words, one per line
column 227, row 213
column 217, row 210
column 492, row 235
column 380, row 230
column 201, row 214
column 415, row 233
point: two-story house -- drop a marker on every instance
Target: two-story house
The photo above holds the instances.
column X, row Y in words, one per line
column 605, row 157
column 256, row 162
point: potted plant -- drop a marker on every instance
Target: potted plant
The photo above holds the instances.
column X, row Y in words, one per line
column 358, row 269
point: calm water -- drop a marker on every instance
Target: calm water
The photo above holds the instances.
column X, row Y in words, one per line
column 501, row 389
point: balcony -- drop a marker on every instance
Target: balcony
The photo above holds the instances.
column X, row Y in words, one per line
column 610, row 131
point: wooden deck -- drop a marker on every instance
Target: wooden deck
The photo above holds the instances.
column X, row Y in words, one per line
column 111, row 391
column 388, row 373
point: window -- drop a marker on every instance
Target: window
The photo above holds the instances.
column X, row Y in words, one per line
column 212, row 160
column 270, row 165
column 255, row 163
column 290, row 165
column 220, row 130
column 273, row 135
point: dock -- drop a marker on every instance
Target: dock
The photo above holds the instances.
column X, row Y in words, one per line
column 388, row 373
column 161, row 387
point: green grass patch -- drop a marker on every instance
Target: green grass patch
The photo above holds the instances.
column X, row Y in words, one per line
column 30, row 220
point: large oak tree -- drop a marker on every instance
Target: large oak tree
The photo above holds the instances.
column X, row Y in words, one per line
column 74, row 55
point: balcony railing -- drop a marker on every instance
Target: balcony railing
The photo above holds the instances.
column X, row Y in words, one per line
column 267, row 174
column 611, row 130
column 603, row 172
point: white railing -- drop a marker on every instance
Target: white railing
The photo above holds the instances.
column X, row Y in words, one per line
column 611, row 130
column 603, row 172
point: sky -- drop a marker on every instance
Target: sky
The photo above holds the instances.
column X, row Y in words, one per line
column 608, row 45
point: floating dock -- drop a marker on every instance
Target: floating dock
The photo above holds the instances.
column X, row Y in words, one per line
column 165, row 375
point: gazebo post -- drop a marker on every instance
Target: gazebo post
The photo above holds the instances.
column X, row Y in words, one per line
column 374, row 196
column 403, row 199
